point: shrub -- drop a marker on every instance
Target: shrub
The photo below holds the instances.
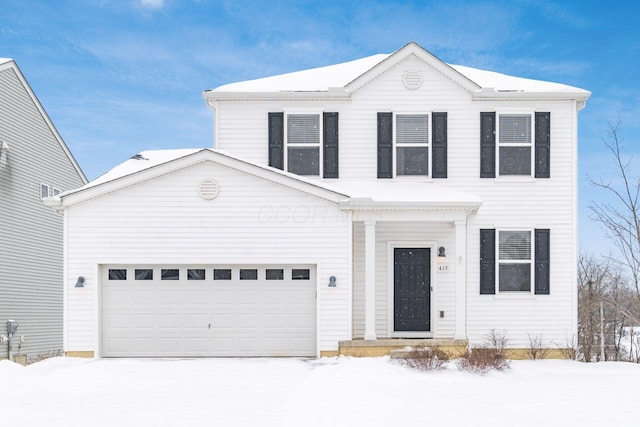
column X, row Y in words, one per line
column 426, row 358
column 482, row 360
column 570, row 349
column 537, row 348
column 498, row 341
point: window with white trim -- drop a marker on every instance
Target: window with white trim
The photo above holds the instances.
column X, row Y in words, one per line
column 48, row 191
column 412, row 144
column 514, row 260
column 303, row 144
column 515, row 136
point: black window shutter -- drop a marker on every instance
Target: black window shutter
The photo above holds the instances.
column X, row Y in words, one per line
column 439, row 149
column 487, row 261
column 542, row 259
column 488, row 145
column 276, row 140
column 543, row 145
column 385, row 145
column 330, row 144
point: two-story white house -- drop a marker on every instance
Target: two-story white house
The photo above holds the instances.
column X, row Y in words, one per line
column 351, row 208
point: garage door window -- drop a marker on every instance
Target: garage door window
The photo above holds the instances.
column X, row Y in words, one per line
column 144, row 274
column 195, row 274
column 248, row 274
column 300, row 274
column 170, row 274
column 275, row 274
column 222, row 274
column 117, row 274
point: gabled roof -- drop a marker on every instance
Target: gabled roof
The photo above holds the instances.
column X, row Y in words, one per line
column 152, row 164
column 349, row 194
column 8, row 63
column 341, row 80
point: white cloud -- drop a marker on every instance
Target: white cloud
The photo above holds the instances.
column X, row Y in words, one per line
column 152, row 4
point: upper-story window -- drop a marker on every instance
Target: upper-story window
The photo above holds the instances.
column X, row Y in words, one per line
column 303, row 144
column 514, row 144
column 412, row 144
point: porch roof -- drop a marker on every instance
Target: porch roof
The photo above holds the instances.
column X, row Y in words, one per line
column 390, row 194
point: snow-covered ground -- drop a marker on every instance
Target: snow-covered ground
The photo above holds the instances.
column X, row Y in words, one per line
column 327, row 392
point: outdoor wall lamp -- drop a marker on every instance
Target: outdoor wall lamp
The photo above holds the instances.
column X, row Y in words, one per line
column 80, row 282
column 441, row 253
column 332, row 281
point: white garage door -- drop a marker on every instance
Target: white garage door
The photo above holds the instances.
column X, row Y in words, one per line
column 183, row 311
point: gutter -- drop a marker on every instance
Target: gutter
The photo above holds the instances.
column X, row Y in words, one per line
column 492, row 94
column 332, row 95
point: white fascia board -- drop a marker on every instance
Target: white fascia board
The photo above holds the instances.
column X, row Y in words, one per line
column 412, row 215
column 369, row 204
column 331, row 96
column 494, row 95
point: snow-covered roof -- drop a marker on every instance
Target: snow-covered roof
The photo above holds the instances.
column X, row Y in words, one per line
column 315, row 79
column 143, row 160
column 152, row 163
column 505, row 83
column 339, row 76
column 382, row 192
column 3, row 60
column 355, row 193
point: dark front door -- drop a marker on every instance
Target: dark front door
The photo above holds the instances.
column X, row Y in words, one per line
column 411, row 289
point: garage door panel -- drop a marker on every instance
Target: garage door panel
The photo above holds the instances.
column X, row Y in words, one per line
column 196, row 298
column 171, row 297
column 209, row 317
column 273, row 321
column 116, row 297
column 223, row 321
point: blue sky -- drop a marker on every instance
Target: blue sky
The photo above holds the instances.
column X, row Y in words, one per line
column 119, row 77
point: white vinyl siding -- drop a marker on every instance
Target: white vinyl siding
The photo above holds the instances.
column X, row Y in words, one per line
column 252, row 222
column 31, row 271
column 517, row 202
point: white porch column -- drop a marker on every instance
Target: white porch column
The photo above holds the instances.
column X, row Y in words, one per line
column 461, row 280
column 370, row 280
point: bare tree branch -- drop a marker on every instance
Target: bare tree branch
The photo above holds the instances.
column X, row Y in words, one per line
column 621, row 216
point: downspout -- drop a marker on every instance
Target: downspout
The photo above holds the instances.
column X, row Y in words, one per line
column 214, row 108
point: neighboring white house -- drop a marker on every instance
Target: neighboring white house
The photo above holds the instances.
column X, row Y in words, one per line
column 391, row 197
column 34, row 163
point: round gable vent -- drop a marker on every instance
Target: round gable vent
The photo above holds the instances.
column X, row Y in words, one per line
column 412, row 80
column 209, row 189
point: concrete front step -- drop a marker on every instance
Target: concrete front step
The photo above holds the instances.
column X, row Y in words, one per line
column 396, row 347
